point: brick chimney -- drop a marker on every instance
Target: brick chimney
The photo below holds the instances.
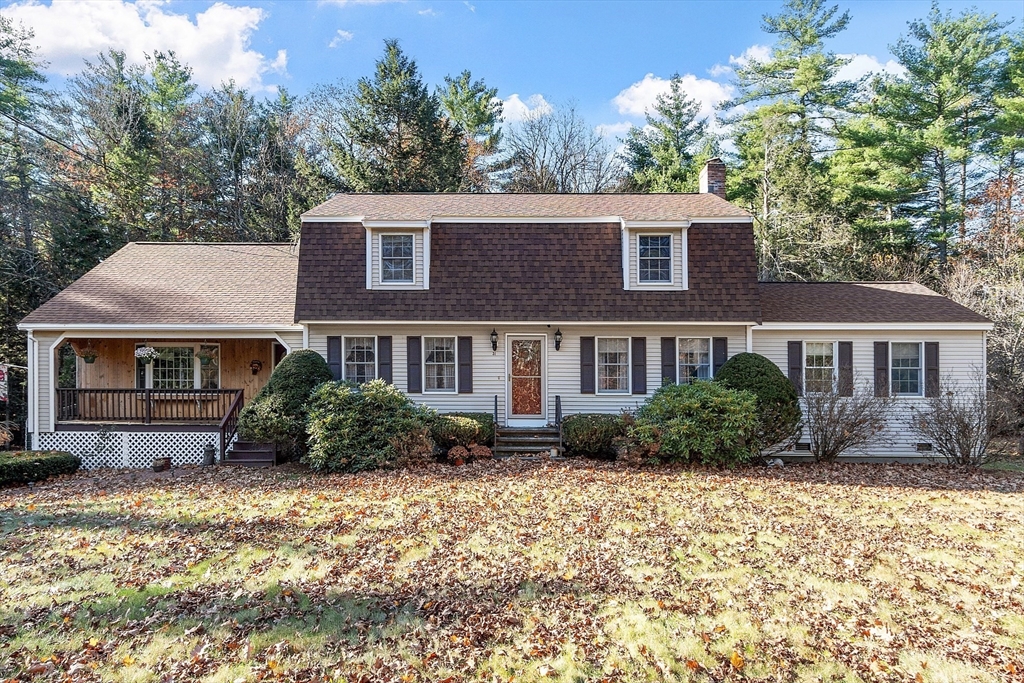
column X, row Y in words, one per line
column 712, row 177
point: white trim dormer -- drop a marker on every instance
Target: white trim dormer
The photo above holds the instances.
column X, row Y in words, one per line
column 376, row 236
column 632, row 231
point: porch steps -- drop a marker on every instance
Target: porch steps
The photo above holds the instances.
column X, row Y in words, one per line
column 510, row 441
column 251, row 454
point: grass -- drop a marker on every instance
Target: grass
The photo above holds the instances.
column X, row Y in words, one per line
column 576, row 571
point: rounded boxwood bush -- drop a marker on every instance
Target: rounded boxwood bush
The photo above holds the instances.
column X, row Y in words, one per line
column 702, row 422
column 778, row 407
column 591, row 434
column 277, row 414
column 449, row 431
column 365, row 427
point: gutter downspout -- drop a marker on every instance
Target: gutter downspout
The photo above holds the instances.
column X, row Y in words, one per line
column 32, row 406
column 750, row 338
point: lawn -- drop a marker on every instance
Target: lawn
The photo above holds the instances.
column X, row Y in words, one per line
column 516, row 572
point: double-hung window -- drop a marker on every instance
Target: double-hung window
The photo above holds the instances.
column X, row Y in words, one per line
column 906, row 368
column 819, row 367
column 694, row 359
column 613, row 365
column 360, row 359
column 396, row 259
column 193, row 366
column 439, row 364
column 654, row 256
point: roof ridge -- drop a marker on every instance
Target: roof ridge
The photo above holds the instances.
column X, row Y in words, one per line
column 839, row 282
column 214, row 244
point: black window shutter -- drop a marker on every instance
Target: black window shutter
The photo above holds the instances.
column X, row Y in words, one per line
column 931, row 369
column 719, row 353
column 796, row 366
column 334, row 356
column 881, row 368
column 384, row 359
column 846, row 368
column 668, row 360
column 588, row 359
column 414, row 372
column 465, row 351
column 639, row 365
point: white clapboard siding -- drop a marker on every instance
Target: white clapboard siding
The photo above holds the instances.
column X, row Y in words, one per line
column 418, row 261
column 292, row 339
column 563, row 366
column 44, row 382
column 678, row 256
column 961, row 360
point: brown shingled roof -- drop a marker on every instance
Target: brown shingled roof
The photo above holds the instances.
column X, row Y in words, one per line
column 527, row 272
column 426, row 206
column 148, row 283
column 859, row 302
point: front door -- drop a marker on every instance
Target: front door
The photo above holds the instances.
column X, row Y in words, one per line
column 526, row 400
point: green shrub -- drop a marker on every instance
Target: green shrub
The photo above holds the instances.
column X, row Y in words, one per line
column 21, row 467
column 591, row 434
column 370, row 426
column 486, row 423
column 449, row 431
column 277, row 414
column 701, row 422
column 778, row 407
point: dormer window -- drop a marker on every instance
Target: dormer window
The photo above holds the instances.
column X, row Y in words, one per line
column 654, row 259
column 397, row 259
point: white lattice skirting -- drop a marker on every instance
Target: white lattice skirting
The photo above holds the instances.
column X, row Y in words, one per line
column 109, row 448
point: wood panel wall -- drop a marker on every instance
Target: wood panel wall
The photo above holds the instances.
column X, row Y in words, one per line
column 115, row 364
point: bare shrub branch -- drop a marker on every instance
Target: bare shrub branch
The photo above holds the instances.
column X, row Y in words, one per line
column 836, row 424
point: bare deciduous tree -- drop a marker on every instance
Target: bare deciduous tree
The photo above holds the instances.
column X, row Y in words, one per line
column 556, row 151
column 835, row 424
column 966, row 426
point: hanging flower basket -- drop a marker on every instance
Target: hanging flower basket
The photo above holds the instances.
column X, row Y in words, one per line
column 147, row 354
column 205, row 357
column 87, row 352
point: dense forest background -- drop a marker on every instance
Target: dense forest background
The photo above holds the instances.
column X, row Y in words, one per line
column 912, row 176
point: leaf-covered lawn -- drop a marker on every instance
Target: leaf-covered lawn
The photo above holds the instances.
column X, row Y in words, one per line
column 517, row 571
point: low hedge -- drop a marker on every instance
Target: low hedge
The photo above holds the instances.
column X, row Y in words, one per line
column 591, row 434
column 462, row 429
column 21, row 467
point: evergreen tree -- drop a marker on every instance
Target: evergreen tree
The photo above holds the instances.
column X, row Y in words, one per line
column 667, row 154
column 395, row 136
column 941, row 109
column 476, row 109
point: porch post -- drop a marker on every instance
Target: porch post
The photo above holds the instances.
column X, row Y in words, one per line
column 149, row 407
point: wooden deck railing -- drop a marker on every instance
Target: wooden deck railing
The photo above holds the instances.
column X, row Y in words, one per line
column 144, row 406
column 229, row 424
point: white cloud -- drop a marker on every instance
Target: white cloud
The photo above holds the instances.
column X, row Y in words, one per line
column 613, row 130
column 429, row 12
column 340, row 37
column 641, row 97
column 515, row 109
column 216, row 44
column 862, row 65
column 471, row 8
column 754, row 53
column 342, row 3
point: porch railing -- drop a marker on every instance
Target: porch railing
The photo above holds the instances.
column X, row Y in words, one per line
column 229, row 423
column 144, row 406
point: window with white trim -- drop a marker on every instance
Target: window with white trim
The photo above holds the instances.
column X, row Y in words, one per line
column 613, row 365
column 654, row 259
column 905, row 360
column 178, row 366
column 819, row 367
column 439, row 364
column 360, row 359
column 694, row 359
column 397, row 259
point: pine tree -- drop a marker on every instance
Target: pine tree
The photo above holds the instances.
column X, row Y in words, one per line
column 396, row 138
column 476, row 109
column 667, row 154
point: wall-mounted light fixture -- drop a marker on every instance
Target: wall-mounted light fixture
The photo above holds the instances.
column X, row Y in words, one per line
column 494, row 341
column 558, row 339
column 255, row 365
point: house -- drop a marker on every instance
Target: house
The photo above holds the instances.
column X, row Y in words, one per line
column 526, row 306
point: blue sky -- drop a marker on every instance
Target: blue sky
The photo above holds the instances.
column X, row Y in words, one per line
column 596, row 54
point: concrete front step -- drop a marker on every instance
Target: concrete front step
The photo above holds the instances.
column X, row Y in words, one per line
column 527, row 441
